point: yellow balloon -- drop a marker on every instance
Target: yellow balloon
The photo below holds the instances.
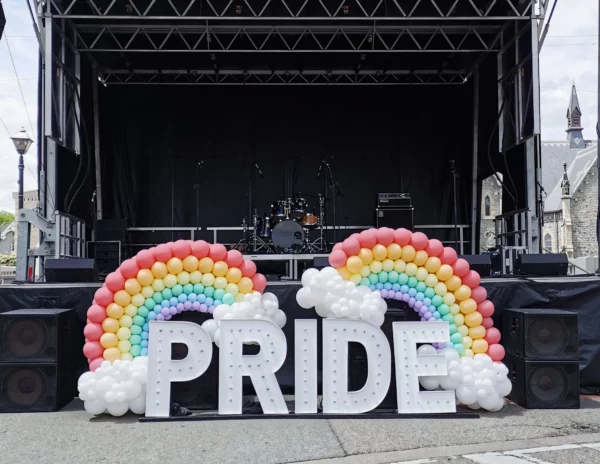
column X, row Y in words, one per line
column 124, row 346
column 376, row 267
column 108, row 339
column 420, row 258
column 440, row 289
column 205, row 265
column 467, row 341
column 463, row 330
column 480, row 346
column 158, row 285
column 473, row 319
column 220, row 282
column 387, row 265
column 379, row 252
column 444, row 272
column 354, row 264
column 125, row 321
column 365, row 271
column 123, row 333
column 114, row 310
column 245, row 285
column 394, row 251
column 239, row 297
column 159, row 270
column 122, row 298
column 421, row 274
column 459, row 319
column 462, row 293
column 408, row 253
column 468, row 306
column 145, row 277
column 147, row 292
column 131, row 309
column 183, row 278
column 433, row 264
column 190, row 263
column 126, row 357
column 366, row 255
column 431, row 280
column 355, row 278
column 477, row 332
column 208, row 279
column 411, row 269
column 454, row 309
column 399, row 266
column 468, row 354
column 343, row 271
column 195, row 277
column 112, row 354
column 175, row 266
column 449, row 297
column 137, row 300
column 220, row 269
column 170, row 280
column 232, row 288
column 453, row 283
column 110, row 325
column 233, row 275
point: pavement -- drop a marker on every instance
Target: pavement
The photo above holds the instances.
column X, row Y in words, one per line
column 73, row 436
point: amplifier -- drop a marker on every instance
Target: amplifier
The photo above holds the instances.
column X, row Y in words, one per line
column 394, row 218
column 393, row 200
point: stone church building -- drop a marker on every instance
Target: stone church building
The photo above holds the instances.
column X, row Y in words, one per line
column 569, row 179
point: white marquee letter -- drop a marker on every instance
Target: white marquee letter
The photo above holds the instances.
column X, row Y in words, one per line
column 305, row 357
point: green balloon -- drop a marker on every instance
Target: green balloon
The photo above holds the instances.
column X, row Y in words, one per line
column 403, row 279
column 452, row 326
column 143, row 311
column 149, row 303
column 421, row 287
column 444, row 309
column 177, row 290
column 383, row 277
column 198, row 289
column 209, row 291
column 157, row 297
column 456, row 338
column 188, row 288
column 135, row 329
column 412, row 282
column 228, row 299
column 136, row 339
column 167, row 293
column 429, row 292
column 437, row 300
column 139, row 320
column 393, row 277
column 460, row 348
column 135, row 350
column 218, row 294
column 447, row 318
column 373, row 278
column 364, row 281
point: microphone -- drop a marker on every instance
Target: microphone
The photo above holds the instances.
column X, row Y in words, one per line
column 201, row 163
column 258, row 169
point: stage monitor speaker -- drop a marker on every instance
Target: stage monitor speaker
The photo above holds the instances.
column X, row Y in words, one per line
column 544, row 265
column 543, row 384
column 38, row 359
column 394, row 218
column 482, row 264
column 541, row 334
column 319, row 262
column 71, row 270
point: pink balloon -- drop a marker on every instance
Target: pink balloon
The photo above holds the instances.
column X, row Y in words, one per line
column 92, row 350
column 200, row 249
column 486, row 308
column 472, row 279
column 355, row 236
column 87, row 321
column 337, row 258
column 367, row 238
column 96, row 363
column 461, row 267
column 234, row 258
column 163, row 253
column 419, row 241
column 114, row 281
column 145, row 259
column 248, row 268
column 492, row 335
column 448, row 256
column 479, row 294
column 402, row 236
column 217, row 252
column 496, row 352
column 129, row 268
column 86, row 340
column 385, row 236
column 259, row 282
column 487, row 322
column 337, row 246
column 103, row 296
column 96, row 313
column 351, row 247
column 93, row 331
column 434, row 247
column 181, row 249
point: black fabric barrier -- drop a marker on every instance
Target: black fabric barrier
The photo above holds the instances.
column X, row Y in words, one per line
column 575, row 294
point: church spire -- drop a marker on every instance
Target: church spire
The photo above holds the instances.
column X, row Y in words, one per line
column 574, row 129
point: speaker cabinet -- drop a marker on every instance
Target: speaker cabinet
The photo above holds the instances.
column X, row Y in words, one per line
column 541, row 334
column 482, row 264
column 71, row 270
column 38, row 359
column 394, row 218
column 543, row 384
column 545, row 265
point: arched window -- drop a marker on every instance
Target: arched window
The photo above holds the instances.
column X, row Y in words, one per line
column 488, row 206
column 548, row 242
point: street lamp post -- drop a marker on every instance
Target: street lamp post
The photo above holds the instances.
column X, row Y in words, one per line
column 22, row 143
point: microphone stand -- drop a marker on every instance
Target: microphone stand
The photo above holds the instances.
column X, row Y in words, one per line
column 197, row 188
column 454, row 176
column 335, row 187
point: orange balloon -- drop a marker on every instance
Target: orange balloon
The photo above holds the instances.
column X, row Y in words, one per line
column 175, row 266
column 444, row 272
column 159, row 270
column 190, row 263
column 122, row 298
column 245, row 285
column 468, row 306
column 110, row 325
column 354, row 264
column 366, row 255
column 145, row 277
column 233, row 275
column 479, row 346
column 112, row 354
column 394, row 251
column 344, row 272
column 205, row 265
column 220, row 269
column 108, row 339
column 433, row 264
column 453, row 283
column 379, row 252
column 477, row 332
column 114, row 311
column 473, row 319
column 420, row 258
column 408, row 253
column 462, row 293
column 132, row 286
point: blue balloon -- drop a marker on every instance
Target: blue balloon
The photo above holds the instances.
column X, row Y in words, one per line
column 165, row 303
column 146, row 327
column 387, row 286
column 173, row 301
column 419, row 296
column 432, row 309
column 152, row 316
column 145, row 335
column 144, row 352
column 182, row 298
column 208, row 301
column 404, row 289
column 436, row 314
column 379, row 286
column 192, row 297
column 217, row 303
column 426, row 301
column 372, row 287
column 396, row 287
column 144, row 343
column 412, row 292
column 201, row 298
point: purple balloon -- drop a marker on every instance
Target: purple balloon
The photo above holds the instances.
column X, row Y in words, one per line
column 411, row 302
column 173, row 311
column 422, row 311
column 187, row 305
column 398, row 296
column 423, row 319
column 427, row 315
column 405, row 297
column 418, row 305
column 384, row 293
column 391, row 294
column 196, row 306
column 168, row 317
column 203, row 308
column 211, row 309
column 165, row 311
column 160, row 317
column 180, row 307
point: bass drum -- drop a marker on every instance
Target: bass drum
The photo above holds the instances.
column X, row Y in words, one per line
column 288, row 237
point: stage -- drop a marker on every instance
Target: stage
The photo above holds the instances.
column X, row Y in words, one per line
column 580, row 294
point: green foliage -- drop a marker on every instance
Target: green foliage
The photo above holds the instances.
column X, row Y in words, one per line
column 6, row 218
column 8, row 260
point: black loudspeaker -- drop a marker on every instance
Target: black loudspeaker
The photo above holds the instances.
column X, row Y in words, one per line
column 71, row 270
column 543, row 265
column 394, row 218
column 543, row 384
column 320, row 262
column 38, row 359
column 482, row 264
column 541, row 334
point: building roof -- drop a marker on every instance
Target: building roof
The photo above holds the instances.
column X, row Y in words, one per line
column 574, row 102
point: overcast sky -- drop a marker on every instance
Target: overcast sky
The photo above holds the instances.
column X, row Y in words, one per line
column 569, row 54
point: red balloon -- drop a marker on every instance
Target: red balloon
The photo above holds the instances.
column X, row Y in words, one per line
column 337, row 246
column 129, row 268
column 402, row 236
column 434, row 247
column 479, row 294
column 496, row 352
column 449, row 256
column 487, row 322
column 461, row 267
column 96, row 313
column 96, row 363
column 337, row 258
column 419, row 241
column 200, row 249
column 367, row 238
column 145, row 259
column 355, row 236
column 234, row 258
column 486, row 308
column 217, row 252
column 351, row 247
column 259, row 282
column 492, row 335
column 103, row 296
column 181, row 249
column 163, row 253
column 472, row 279
column 248, row 268
column 93, row 331
column 385, row 236
column 92, row 350
column 114, row 281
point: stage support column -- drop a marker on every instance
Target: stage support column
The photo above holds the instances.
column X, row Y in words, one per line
column 97, row 160
column 533, row 149
column 474, row 175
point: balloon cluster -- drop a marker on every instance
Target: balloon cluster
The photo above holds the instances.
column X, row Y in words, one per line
column 115, row 388
column 158, row 284
column 332, row 297
column 254, row 306
column 429, row 277
column 478, row 382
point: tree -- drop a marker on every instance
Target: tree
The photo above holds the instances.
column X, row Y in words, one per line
column 6, row 218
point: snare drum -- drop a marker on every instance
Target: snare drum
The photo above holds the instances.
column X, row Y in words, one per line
column 309, row 221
